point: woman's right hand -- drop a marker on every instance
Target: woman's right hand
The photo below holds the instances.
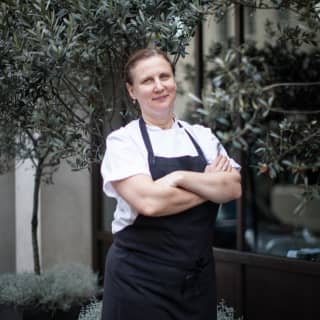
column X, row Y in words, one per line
column 221, row 163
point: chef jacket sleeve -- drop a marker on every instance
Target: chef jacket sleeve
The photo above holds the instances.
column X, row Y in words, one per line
column 122, row 159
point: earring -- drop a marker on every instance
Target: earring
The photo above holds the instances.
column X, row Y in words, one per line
column 134, row 101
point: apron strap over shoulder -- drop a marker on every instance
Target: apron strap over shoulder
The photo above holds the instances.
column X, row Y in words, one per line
column 145, row 136
column 195, row 143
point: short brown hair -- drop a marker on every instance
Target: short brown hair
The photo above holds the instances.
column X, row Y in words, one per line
column 141, row 55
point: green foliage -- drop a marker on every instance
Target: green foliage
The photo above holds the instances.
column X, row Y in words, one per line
column 238, row 88
column 276, row 110
column 35, row 125
column 62, row 69
column 289, row 153
column 225, row 313
column 59, row 288
column 92, row 311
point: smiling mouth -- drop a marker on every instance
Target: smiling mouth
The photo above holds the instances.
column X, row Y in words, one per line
column 161, row 97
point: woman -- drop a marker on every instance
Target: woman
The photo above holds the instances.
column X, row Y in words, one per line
column 168, row 179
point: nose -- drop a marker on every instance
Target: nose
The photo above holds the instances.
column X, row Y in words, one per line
column 158, row 86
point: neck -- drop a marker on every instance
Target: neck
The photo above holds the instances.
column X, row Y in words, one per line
column 165, row 123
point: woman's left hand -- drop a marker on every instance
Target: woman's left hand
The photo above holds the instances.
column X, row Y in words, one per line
column 221, row 163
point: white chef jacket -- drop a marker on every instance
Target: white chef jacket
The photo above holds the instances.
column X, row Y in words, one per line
column 126, row 155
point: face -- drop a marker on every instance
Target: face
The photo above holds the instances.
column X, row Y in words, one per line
column 153, row 86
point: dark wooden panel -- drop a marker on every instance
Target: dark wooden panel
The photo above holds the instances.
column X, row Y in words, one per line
column 266, row 287
column 273, row 294
column 229, row 285
column 272, row 262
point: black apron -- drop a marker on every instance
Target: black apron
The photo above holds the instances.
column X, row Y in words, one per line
column 162, row 268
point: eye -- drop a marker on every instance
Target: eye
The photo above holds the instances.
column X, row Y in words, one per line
column 164, row 76
column 147, row 81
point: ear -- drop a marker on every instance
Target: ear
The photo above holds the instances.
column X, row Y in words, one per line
column 130, row 91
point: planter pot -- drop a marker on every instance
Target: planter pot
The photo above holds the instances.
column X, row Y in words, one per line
column 9, row 313
column 72, row 314
column 12, row 313
column 35, row 314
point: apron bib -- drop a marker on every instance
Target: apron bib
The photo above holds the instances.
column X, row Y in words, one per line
column 162, row 268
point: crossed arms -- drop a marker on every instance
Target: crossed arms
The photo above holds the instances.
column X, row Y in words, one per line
column 181, row 190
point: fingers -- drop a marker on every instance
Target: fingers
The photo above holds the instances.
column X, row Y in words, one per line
column 224, row 163
column 221, row 163
column 227, row 167
column 215, row 161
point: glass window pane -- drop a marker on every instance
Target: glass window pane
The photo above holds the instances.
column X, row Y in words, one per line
column 272, row 224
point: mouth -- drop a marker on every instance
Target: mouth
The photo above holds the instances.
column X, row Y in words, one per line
column 160, row 98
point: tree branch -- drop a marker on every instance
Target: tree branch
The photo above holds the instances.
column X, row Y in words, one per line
column 279, row 110
column 55, row 92
column 303, row 141
column 291, row 84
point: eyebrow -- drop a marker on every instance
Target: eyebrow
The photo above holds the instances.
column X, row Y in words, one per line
column 160, row 75
column 165, row 74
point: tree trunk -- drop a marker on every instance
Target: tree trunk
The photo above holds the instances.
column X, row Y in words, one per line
column 34, row 221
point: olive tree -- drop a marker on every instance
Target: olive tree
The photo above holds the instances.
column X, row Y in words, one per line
column 34, row 124
column 61, row 75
